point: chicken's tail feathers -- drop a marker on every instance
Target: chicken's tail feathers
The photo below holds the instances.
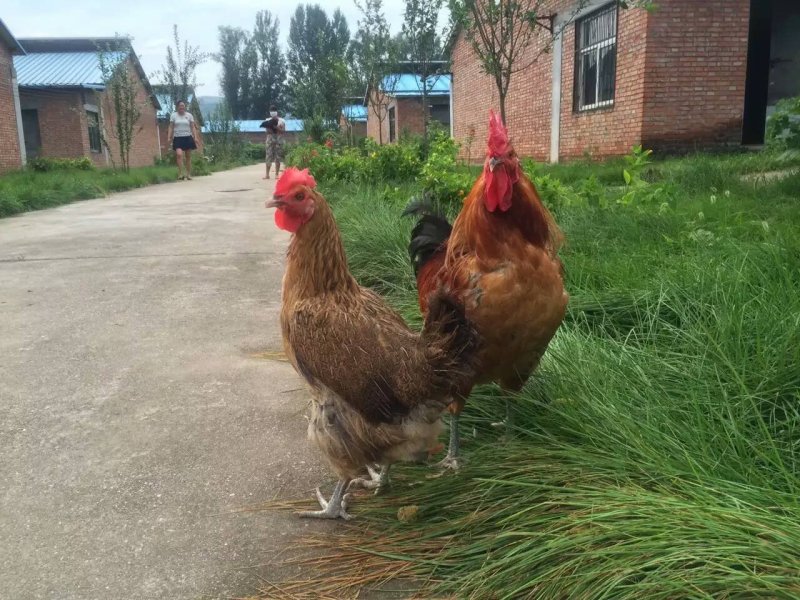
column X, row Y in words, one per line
column 429, row 234
column 451, row 341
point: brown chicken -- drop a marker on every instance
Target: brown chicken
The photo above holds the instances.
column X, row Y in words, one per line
column 378, row 388
column 499, row 259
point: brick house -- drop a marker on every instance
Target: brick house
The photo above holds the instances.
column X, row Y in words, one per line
column 688, row 75
column 63, row 101
column 396, row 108
column 13, row 152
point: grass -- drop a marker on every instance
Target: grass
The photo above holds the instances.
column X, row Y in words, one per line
column 26, row 190
column 656, row 449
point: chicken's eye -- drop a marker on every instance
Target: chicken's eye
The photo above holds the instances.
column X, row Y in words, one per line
column 299, row 196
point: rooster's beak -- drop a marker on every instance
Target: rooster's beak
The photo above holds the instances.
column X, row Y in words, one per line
column 493, row 162
column 276, row 202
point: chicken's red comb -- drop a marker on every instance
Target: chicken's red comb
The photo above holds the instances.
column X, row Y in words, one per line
column 498, row 144
column 293, row 177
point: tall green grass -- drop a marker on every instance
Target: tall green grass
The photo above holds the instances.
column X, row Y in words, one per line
column 25, row 190
column 655, row 452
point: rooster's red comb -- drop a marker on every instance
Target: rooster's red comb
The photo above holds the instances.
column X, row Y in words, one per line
column 293, row 177
column 498, row 144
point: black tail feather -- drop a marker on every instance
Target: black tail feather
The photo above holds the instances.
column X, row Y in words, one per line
column 429, row 234
column 454, row 338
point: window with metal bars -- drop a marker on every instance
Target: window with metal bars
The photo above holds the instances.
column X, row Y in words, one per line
column 596, row 59
column 93, row 120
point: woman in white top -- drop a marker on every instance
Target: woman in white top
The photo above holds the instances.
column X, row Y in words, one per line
column 183, row 132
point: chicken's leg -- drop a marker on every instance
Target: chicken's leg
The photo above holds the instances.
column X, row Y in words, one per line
column 452, row 460
column 335, row 508
column 378, row 479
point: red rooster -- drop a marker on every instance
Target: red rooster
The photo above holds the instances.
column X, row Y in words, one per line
column 499, row 259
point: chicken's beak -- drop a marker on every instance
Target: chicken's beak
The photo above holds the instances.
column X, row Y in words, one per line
column 276, row 202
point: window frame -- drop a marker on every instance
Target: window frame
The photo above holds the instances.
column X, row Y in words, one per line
column 595, row 48
column 93, row 122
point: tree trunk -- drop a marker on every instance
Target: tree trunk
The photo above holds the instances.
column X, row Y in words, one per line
column 425, row 114
column 502, row 107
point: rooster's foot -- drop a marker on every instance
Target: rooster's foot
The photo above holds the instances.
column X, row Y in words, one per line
column 452, row 462
column 378, row 480
column 335, row 508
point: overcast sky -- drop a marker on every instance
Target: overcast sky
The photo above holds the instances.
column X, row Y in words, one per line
column 150, row 22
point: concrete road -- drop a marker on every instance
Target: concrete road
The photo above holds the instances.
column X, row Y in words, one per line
column 136, row 416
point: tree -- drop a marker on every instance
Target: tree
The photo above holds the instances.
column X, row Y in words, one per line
column 270, row 73
column 374, row 58
column 317, row 57
column 179, row 71
column 232, row 44
column 423, row 47
column 121, row 99
column 502, row 33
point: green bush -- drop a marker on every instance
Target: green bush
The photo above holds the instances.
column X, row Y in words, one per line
column 783, row 127
column 393, row 162
column 44, row 164
column 331, row 162
column 441, row 178
column 256, row 152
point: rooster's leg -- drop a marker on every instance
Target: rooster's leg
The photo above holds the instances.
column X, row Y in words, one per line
column 335, row 508
column 452, row 460
column 378, row 479
column 508, row 422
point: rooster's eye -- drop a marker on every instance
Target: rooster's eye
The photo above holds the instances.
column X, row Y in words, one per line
column 299, row 196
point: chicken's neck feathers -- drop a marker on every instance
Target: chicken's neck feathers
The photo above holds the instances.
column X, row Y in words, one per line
column 316, row 261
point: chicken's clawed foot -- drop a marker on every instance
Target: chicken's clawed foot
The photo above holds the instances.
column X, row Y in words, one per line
column 378, row 479
column 335, row 508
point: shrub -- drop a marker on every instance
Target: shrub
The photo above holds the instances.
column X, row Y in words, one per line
column 783, row 127
column 257, row 152
column 44, row 164
column 441, row 178
column 393, row 162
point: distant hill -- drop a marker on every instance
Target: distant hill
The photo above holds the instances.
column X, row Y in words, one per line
column 208, row 104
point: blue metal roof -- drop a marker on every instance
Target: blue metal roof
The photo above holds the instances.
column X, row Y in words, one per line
column 355, row 112
column 61, row 69
column 409, row 84
column 254, row 126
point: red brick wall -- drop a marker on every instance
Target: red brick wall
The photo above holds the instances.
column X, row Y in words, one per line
column 680, row 82
column 696, row 70
column 146, row 140
column 61, row 121
column 603, row 132
column 10, row 156
column 613, row 130
column 408, row 118
column 376, row 123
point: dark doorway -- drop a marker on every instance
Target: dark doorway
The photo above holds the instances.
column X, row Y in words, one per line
column 758, row 66
column 30, row 130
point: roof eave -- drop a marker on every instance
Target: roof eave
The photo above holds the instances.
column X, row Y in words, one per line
column 9, row 39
